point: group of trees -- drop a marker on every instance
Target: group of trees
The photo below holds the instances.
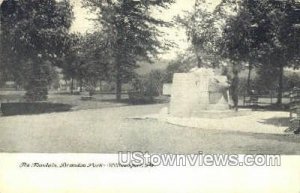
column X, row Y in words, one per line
column 267, row 38
column 34, row 34
column 35, row 37
column 131, row 34
column 84, row 61
column 247, row 34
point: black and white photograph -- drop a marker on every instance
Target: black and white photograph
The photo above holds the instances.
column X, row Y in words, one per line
column 151, row 80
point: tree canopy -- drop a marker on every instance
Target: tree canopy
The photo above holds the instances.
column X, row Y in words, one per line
column 33, row 32
column 248, row 33
column 131, row 32
column 263, row 32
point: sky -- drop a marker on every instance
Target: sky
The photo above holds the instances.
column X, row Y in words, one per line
column 82, row 24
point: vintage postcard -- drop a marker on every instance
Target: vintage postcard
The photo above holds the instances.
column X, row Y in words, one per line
column 149, row 95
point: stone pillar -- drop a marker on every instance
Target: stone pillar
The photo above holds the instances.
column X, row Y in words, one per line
column 192, row 93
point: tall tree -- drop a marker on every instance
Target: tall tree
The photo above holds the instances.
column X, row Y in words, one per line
column 87, row 60
column 202, row 28
column 34, row 31
column 131, row 33
column 97, row 59
column 72, row 61
column 205, row 29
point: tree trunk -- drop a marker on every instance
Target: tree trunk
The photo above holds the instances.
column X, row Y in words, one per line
column 80, row 85
column 249, row 78
column 118, row 84
column 100, row 85
column 280, row 85
column 235, row 91
column 37, row 86
column 72, row 86
column 199, row 60
column 235, row 87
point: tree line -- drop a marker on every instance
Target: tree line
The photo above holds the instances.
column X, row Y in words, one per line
column 249, row 34
column 35, row 37
column 261, row 34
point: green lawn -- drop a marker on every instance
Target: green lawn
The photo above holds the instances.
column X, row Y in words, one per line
column 111, row 130
column 98, row 100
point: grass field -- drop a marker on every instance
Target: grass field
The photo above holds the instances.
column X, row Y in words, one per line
column 102, row 126
column 98, row 101
column 109, row 130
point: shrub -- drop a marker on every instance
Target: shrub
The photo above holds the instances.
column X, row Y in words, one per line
column 32, row 108
column 146, row 87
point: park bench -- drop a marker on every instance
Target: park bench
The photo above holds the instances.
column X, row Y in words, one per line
column 294, row 108
column 253, row 100
column 86, row 98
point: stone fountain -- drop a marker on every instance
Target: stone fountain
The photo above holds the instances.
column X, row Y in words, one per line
column 199, row 93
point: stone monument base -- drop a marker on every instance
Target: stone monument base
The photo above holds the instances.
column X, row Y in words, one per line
column 198, row 91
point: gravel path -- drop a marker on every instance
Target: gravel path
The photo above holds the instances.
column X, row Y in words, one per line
column 109, row 131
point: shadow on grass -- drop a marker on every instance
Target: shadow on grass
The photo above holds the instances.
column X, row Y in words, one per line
column 125, row 101
column 68, row 93
column 289, row 137
column 277, row 121
column 130, row 102
column 272, row 107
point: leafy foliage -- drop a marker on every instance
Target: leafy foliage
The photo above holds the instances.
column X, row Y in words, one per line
column 263, row 32
column 182, row 63
column 203, row 30
column 33, row 32
column 131, row 33
column 87, row 60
